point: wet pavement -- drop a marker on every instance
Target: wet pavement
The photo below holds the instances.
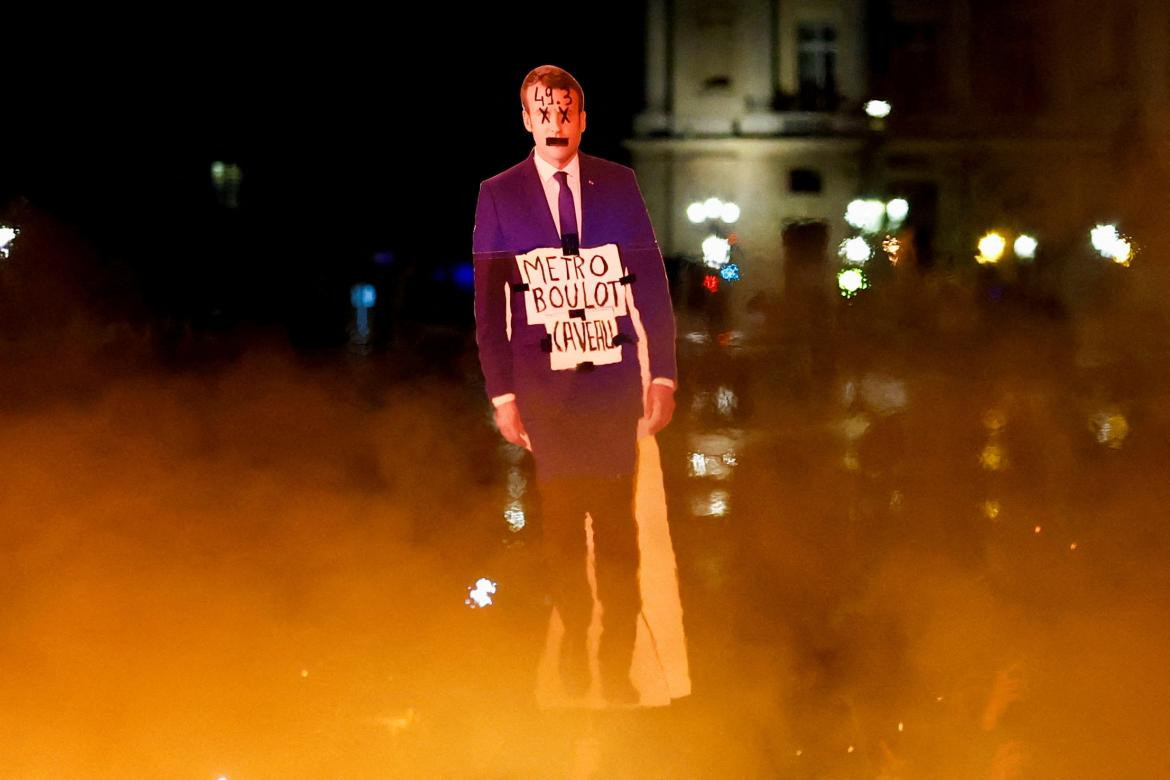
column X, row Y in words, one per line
column 924, row 549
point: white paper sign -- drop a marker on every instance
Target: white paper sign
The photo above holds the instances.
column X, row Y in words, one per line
column 559, row 284
column 578, row 299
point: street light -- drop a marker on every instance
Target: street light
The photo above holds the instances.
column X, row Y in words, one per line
column 7, row 236
column 716, row 213
column 1025, row 247
column 716, row 251
column 1111, row 244
column 850, row 281
column 878, row 109
column 855, row 250
column 865, row 214
column 712, row 208
column 991, row 248
column 897, row 210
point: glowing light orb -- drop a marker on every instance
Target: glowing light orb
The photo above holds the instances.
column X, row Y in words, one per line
column 994, row 419
column 712, row 208
column 1110, row 244
column 713, row 505
column 1025, row 247
column 991, row 248
column 993, row 457
column 363, row 296
column 897, row 209
column 716, row 251
column 878, row 109
column 892, row 246
column 854, row 427
column 711, row 282
column 729, row 272
column 696, row 213
column 1110, row 429
column 991, row 509
column 463, row 275
column 514, row 517
column 865, row 215
column 698, row 464
column 729, row 213
column 1122, row 252
column 726, row 400
column 480, row 595
column 851, row 281
column 7, row 236
column 717, row 506
column 855, row 250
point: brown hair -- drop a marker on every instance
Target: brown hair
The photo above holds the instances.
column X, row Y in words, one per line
column 552, row 76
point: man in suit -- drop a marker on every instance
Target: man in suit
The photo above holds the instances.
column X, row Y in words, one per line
column 565, row 260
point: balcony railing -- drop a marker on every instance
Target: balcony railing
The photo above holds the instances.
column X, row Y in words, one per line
column 752, row 123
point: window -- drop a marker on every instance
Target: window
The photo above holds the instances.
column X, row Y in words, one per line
column 804, row 180
column 715, row 25
column 816, row 65
column 717, row 83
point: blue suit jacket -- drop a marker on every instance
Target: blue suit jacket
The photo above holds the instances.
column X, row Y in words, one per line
column 512, row 217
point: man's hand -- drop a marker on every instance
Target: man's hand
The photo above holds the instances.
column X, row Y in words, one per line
column 510, row 425
column 658, row 409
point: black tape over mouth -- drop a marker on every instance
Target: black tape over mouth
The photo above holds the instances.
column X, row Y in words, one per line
column 551, row 141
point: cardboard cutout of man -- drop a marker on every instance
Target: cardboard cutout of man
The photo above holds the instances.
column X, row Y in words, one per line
column 565, row 256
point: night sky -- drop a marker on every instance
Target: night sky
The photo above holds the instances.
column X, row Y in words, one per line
column 357, row 134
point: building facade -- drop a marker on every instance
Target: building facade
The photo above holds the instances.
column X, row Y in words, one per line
column 1023, row 117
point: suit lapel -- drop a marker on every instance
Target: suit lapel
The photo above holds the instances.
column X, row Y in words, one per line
column 536, row 202
column 589, row 215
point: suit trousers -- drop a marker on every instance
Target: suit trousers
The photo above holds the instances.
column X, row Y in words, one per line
column 609, row 500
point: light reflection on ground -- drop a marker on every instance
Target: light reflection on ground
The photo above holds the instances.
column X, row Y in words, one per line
column 912, row 561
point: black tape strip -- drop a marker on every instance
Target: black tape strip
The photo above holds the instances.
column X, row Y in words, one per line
column 578, row 313
column 546, row 344
column 518, row 287
column 554, row 141
column 620, row 339
column 570, row 244
column 586, row 366
column 628, row 279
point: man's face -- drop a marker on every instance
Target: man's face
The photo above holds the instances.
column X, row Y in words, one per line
column 555, row 121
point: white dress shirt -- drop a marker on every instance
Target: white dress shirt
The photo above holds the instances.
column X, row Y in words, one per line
column 552, row 190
